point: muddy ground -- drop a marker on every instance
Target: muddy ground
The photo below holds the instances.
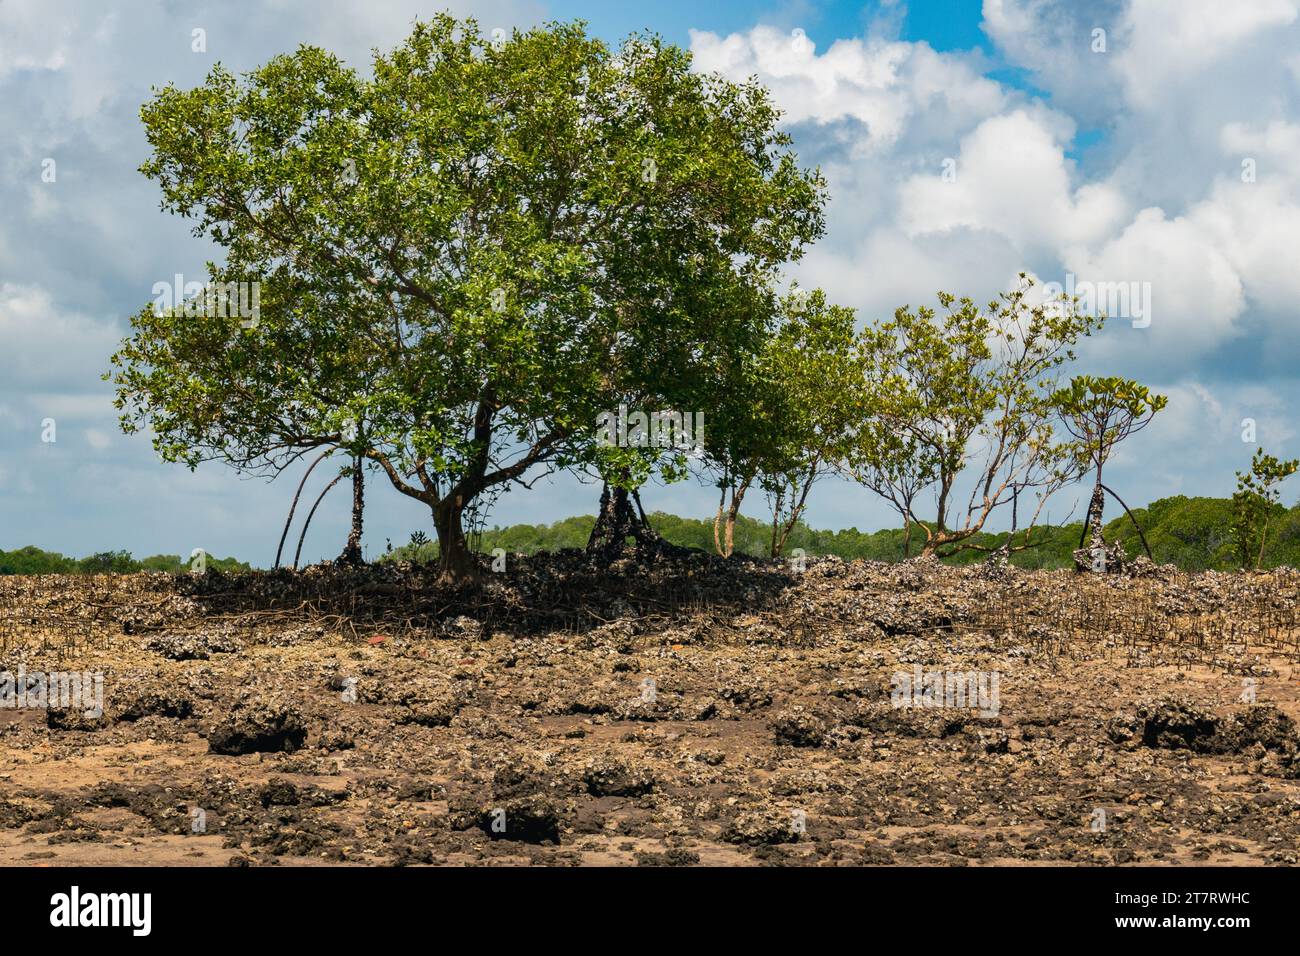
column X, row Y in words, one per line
column 694, row 712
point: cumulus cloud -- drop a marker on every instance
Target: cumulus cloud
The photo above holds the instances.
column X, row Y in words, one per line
column 1176, row 43
column 1196, row 295
column 1011, row 176
column 891, row 88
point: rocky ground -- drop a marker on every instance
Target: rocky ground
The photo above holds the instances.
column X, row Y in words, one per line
column 694, row 712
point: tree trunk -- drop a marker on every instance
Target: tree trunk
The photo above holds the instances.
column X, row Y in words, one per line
column 724, row 523
column 352, row 550
column 311, row 514
column 1085, row 558
column 455, row 562
column 774, row 548
column 717, row 524
column 729, row 528
column 617, row 521
column 294, row 507
column 1096, row 509
column 795, row 513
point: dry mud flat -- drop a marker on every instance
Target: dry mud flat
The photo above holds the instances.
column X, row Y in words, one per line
column 694, row 712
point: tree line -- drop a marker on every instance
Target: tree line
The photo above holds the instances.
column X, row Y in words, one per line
column 33, row 560
column 1194, row 534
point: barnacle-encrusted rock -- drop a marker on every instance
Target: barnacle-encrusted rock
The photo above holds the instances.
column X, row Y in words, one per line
column 258, row 725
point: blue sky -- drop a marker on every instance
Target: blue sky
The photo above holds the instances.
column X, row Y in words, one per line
column 1125, row 163
column 944, row 24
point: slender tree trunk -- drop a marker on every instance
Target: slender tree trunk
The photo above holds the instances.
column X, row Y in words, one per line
column 1263, row 532
column 774, row 549
column 717, row 522
column 297, row 554
column 294, row 506
column 1084, row 559
column 729, row 531
column 939, row 537
column 729, row 526
column 724, row 524
column 1092, row 523
column 795, row 513
column 352, row 550
column 941, row 513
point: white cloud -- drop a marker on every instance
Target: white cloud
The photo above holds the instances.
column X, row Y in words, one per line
column 1054, row 39
column 51, row 350
column 1174, row 42
column 1196, row 294
column 1012, row 177
column 888, row 86
column 1207, row 417
column 97, row 439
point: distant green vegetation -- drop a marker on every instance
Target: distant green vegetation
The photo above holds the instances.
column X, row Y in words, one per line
column 1193, row 533
column 32, row 560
